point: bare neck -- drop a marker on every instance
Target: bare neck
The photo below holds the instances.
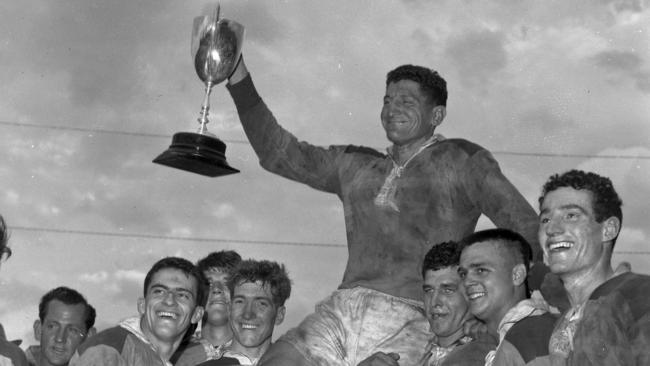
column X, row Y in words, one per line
column 581, row 284
column 518, row 295
column 251, row 352
column 217, row 335
column 402, row 153
column 164, row 349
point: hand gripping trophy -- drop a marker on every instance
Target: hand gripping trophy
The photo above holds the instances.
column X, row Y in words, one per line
column 216, row 48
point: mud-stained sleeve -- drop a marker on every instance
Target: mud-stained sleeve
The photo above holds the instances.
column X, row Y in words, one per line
column 278, row 150
column 640, row 340
column 499, row 200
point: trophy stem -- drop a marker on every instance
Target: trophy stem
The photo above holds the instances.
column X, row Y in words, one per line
column 205, row 108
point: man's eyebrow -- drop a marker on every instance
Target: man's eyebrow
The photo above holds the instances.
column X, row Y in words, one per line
column 568, row 206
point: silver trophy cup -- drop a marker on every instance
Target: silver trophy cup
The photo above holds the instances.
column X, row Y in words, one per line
column 216, row 48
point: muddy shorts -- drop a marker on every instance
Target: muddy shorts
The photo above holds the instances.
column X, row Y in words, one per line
column 352, row 324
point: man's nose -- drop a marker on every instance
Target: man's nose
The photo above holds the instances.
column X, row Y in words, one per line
column 248, row 311
column 553, row 227
column 170, row 297
column 61, row 334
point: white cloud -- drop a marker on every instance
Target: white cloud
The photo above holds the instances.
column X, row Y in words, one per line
column 95, row 278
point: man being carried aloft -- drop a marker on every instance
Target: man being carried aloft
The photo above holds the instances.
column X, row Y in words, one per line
column 425, row 190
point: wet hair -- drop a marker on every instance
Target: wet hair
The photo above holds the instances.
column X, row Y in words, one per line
column 4, row 239
column 224, row 260
column 604, row 199
column 269, row 273
column 186, row 267
column 516, row 245
column 431, row 83
column 67, row 296
column 441, row 256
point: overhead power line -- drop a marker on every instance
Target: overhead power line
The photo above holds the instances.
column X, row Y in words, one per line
column 144, row 134
column 171, row 237
column 214, row 240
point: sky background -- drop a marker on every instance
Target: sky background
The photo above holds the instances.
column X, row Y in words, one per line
column 93, row 90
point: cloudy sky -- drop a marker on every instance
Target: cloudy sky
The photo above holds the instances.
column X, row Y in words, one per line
column 93, row 90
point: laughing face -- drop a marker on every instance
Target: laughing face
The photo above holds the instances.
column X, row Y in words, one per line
column 487, row 273
column 218, row 306
column 169, row 306
column 253, row 317
column 445, row 303
column 407, row 114
column 571, row 238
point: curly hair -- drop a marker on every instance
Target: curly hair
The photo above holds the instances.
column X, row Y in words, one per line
column 430, row 81
column 4, row 239
column 224, row 260
column 606, row 202
column 441, row 256
column 67, row 296
column 269, row 273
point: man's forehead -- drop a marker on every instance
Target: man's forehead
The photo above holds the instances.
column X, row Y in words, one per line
column 57, row 308
column 446, row 275
column 253, row 289
column 216, row 274
column 482, row 252
column 567, row 197
column 173, row 278
column 404, row 86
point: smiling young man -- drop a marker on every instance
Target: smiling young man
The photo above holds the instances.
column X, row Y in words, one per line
column 259, row 290
column 494, row 266
column 174, row 294
column 65, row 320
column 609, row 319
column 216, row 334
column 425, row 189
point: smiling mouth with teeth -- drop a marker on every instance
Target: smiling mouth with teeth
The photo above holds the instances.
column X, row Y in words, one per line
column 248, row 326
column 165, row 314
column 560, row 246
column 476, row 295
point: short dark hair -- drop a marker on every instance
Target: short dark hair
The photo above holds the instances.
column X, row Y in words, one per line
column 4, row 239
column 225, row 260
column 515, row 244
column 269, row 273
column 67, row 296
column 441, row 256
column 605, row 201
column 186, row 267
column 430, row 81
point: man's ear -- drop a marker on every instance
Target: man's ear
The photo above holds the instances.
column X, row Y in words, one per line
column 37, row 329
column 141, row 306
column 91, row 332
column 519, row 274
column 279, row 316
column 439, row 113
column 611, row 228
column 198, row 314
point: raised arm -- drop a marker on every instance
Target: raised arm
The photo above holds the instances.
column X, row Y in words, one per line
column 277, row 149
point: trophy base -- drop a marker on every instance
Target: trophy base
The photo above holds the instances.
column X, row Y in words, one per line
column 197, row 153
